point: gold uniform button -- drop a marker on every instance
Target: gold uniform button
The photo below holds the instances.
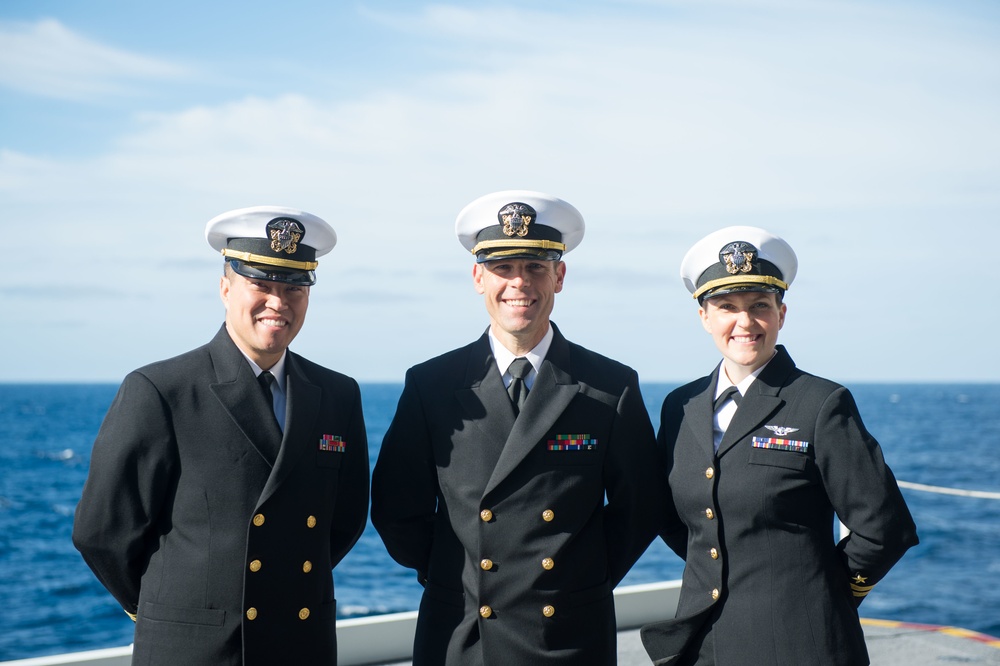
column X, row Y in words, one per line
column 311, row 522
column 548, row 611
column 258, row 520
column 255, row 565
column 485, row 611
column 547, row 563
column 307, row 566
column 709, row 473
column 251, row 613
column 486, row 515
column 715, row 594
column 548, row 515
column 486, row 564
column 304, row 614
column 709, row 514
column 714, row 553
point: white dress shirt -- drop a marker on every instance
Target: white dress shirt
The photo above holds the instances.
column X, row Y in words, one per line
column 504, row 357
column 724, row 414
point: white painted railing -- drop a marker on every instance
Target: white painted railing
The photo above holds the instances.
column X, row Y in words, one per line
column 384, row 639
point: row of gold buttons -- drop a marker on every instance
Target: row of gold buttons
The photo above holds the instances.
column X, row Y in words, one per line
column 548, row 515
column 547, row 611
column 258, row 520
column 713, row 553
column 252, row 613
column 487, row 564
column 255, row 565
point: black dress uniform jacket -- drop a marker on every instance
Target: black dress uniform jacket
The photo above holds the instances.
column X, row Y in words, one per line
column 226, row 559
column 508, row 532
column 763, row 574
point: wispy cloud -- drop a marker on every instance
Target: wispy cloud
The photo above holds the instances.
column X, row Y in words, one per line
column 573, row 102
column 47, row 59
column 875, row 126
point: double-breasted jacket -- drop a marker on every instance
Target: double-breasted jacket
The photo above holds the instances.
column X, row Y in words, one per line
column 519, row 529
column 223, row 555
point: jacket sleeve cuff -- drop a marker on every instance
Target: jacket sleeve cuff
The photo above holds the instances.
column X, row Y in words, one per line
column 859, row 588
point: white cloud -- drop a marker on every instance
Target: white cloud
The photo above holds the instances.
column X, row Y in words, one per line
column 47, row 59
column 658, row 129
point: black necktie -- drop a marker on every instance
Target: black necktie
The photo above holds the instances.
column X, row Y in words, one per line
column 272, row 437
column 731, row 392
column 517, row 390
column 265, row 380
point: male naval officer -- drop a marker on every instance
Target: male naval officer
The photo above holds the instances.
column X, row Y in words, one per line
column 226, row 483
column 518, row 476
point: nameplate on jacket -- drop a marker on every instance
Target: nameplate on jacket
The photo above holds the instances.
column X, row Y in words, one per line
column 780, row 444
column 332, row 443
column 572, row 443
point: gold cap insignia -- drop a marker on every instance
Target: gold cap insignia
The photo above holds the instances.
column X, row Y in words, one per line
column 285, row 235
column 515, row 218
column 738, row 257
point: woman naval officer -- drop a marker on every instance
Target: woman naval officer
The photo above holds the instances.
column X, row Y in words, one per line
column 759, row 456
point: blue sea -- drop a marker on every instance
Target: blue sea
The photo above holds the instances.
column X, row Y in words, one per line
column 934, row 434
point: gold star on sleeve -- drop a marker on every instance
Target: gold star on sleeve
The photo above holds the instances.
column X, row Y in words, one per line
column 857, row 585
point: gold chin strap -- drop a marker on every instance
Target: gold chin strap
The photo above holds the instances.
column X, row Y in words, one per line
column 742, row 279
column 522, row 244
column 270, row 261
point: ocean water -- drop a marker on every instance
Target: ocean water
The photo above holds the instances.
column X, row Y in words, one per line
column 934, row 434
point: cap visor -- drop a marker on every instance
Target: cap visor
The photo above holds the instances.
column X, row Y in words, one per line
column 273, row 273
column 518, row 253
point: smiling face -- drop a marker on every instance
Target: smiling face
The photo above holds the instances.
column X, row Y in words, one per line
column 744, row 326
column 519, row 296
column 262, row 317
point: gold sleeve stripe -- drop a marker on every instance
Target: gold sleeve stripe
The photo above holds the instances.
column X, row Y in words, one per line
column 861, row 590
column 270, row 261
column 740, row 279
column 131, row 615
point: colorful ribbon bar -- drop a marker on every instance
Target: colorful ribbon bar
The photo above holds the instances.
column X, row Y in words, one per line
column 572, row 443
column 780, row 444
column 332, row 443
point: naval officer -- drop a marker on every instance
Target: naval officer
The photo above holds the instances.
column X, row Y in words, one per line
column 759, row 456
column 226, row 483
column 517, row 476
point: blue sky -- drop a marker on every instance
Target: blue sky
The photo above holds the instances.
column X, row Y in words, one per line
column 865, row 133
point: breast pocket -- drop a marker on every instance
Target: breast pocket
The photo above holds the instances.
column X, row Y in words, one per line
column 331, row 451
column 329, row 458
column 571, row 458
column 792, row 460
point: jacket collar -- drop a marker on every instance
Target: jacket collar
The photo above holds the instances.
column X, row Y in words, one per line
column 237, row 389
column 553, row 390
column 761, row 401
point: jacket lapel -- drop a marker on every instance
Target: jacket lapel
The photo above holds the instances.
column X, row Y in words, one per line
column 302, row 410
column 551, row 393
column 240, row 395
column 760, row 402
column 698, row 414
column 484, row 399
